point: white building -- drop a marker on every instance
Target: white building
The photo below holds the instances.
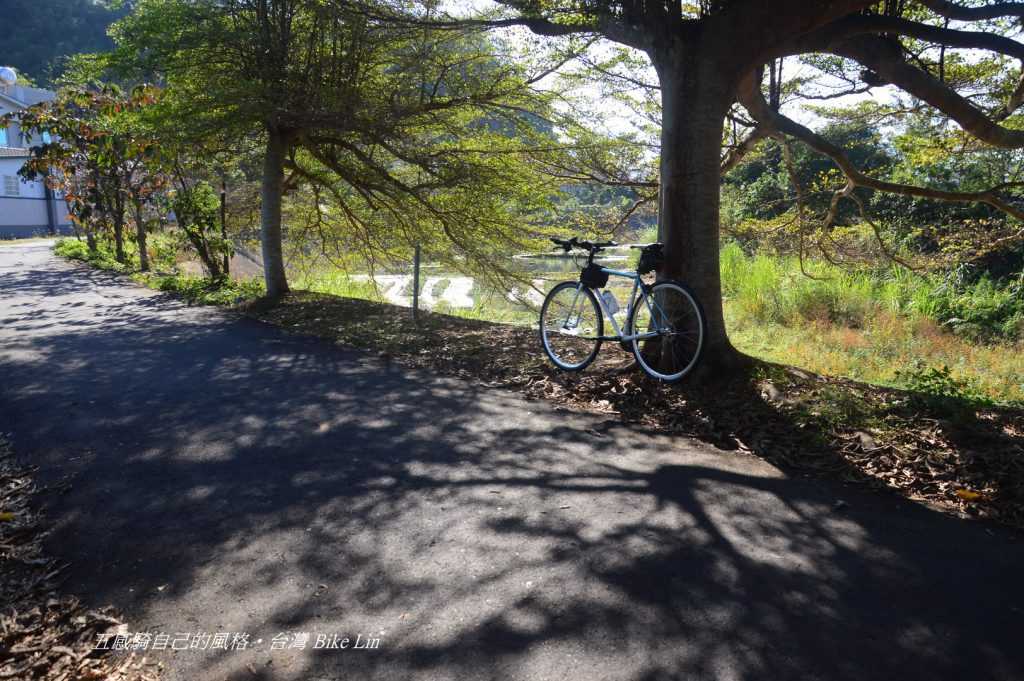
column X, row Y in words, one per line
column 26, row 208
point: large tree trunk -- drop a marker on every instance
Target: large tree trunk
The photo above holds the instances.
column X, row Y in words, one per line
column 270, row 215
column 696, row 96
column 140, row 238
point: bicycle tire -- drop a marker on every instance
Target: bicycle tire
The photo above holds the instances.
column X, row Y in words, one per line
column 694, row 310
column 598, row 321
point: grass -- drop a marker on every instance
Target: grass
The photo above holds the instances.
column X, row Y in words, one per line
column 874, row 326
column 195, row 290
column 339, row 283
column 768, row 288
column 884, row 351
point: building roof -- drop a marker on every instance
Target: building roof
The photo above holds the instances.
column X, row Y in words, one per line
column 24, row 95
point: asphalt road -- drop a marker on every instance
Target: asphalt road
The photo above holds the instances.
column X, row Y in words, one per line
column 227, row 477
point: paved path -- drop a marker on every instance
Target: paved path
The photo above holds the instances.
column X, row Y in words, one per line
column 227, row 477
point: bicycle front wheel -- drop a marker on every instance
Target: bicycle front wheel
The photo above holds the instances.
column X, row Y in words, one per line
column 571, row 326
column 670, row 328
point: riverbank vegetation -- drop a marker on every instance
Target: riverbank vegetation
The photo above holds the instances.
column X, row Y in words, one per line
column 883, row 326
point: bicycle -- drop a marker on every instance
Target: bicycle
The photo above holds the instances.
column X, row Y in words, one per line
column 665, row 324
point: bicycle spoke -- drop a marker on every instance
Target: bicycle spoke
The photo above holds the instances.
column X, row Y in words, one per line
column 570, row 326
column 670, row 312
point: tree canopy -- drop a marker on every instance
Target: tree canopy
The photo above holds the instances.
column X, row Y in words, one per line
column 402, row 134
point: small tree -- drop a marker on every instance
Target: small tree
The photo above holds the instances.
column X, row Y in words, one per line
column 197, row 210
column 143, row 181
column 97, row 158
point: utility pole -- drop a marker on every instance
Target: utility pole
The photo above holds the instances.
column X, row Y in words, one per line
column 224, row 222
column 416, row 285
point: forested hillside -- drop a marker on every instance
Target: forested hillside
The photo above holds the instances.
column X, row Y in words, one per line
column 47, row 31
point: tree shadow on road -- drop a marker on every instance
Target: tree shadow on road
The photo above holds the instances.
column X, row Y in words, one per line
column 224, row 476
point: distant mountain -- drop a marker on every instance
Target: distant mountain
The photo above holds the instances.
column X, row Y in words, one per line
column 38, row 34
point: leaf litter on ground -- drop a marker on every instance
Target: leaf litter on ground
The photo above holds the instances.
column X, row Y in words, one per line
column 44, row 634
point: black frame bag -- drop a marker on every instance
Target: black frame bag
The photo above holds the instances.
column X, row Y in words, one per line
column 593, row 276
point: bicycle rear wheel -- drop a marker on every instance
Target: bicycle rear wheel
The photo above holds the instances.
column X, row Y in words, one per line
column 673, row 316
column 571, row 326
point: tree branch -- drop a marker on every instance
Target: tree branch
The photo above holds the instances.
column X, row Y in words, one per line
column 884, row 57
column 878, row 23
column 745, row 146
column 604, row 25
column 751, row 97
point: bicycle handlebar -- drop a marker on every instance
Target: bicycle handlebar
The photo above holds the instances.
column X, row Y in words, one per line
column 592, row 246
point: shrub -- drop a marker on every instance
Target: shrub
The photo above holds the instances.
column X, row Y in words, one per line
column 939, row 389
column 164, row 248
column 103, row 257
column 203, row 290
column 72, row 248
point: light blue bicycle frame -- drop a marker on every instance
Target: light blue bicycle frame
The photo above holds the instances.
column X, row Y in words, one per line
column 633, row 300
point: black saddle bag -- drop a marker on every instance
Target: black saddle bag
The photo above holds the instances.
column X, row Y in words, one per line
column 651, row 258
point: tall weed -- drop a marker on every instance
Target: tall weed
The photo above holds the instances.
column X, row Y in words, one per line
column 775, row 289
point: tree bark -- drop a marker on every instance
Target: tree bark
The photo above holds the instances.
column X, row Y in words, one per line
column 270, row 214
column 696, row 95
column 140, row 238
